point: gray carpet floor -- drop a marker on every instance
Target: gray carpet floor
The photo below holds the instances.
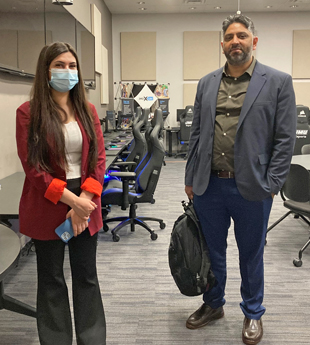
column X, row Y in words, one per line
column 142, row 303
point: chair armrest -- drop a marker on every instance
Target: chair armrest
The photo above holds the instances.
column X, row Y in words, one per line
column 125, row 164
column 125, row 177
column 125, row 153
column 123, row 174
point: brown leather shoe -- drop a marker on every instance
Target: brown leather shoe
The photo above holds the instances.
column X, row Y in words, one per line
column 252, row 331
column 203, row 316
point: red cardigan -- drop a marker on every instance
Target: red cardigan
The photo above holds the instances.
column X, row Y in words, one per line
column 40, row 211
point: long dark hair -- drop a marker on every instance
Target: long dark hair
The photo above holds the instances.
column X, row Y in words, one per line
column 45, row 136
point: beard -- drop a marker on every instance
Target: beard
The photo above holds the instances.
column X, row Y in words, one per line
column 238, row 58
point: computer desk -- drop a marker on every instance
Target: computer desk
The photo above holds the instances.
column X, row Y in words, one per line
column 119, row 147
column 9, row 255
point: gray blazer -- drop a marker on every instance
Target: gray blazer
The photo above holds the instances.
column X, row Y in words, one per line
column 265, row 135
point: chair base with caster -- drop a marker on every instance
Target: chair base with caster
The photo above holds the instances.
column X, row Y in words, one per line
column 298, row 262
column 132, row 220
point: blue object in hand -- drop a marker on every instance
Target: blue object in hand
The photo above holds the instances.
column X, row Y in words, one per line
column 65, row 231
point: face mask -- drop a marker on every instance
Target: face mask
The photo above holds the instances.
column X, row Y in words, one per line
column 63, row 80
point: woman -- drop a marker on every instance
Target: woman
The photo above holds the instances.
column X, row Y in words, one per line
column 61, row 148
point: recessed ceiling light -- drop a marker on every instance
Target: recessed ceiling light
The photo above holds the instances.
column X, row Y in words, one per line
column 217, row 7
column 192, row 8
column 293, row 6
column 268, row 6
column 142, row 9
column 140, row 2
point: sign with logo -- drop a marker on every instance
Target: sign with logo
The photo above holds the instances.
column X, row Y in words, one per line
column 145, row 98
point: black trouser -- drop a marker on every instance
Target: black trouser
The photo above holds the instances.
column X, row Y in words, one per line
column 53, row 310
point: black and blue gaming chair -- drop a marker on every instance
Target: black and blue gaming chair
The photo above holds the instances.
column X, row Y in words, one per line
column 139, row 145
column 145, row 184
column 138, row 151
column 186, row 119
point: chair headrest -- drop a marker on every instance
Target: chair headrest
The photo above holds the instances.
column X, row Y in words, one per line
column 302, row 113
column 157, row 119
column 137, row 116
column 189, row 108
column 145, row 115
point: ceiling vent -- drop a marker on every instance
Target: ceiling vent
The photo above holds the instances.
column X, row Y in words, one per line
column 194, row 2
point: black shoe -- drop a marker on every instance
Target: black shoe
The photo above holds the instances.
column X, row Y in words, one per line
column 203, row 316
column 252, row 331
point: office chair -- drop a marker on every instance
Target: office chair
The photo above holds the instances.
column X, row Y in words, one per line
column 138, row 150
column 138, row 130
column 140, row 155
column 186, row 119
column 305, row 150
column 296, row 197
column 302, row 130
column 128, row 160
column 145, row 185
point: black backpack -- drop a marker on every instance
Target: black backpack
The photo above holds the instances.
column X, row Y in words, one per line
column 188, row 254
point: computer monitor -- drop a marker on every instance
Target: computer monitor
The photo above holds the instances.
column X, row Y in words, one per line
column 110, row 123
column 124, row 122
column 179, row 113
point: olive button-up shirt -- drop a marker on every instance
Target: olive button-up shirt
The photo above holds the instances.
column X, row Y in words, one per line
column 230, row 99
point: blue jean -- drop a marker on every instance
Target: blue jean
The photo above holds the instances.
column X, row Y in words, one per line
column 220, row 203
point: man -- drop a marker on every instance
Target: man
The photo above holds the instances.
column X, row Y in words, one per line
column 242, row 140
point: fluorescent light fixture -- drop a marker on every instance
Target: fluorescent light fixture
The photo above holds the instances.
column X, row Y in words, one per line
column 63, row 2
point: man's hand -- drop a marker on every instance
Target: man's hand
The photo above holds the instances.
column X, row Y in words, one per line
column 189, row 192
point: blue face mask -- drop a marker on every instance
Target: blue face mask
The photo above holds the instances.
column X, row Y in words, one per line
column 63, row 80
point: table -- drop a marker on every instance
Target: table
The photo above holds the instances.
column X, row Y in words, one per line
column 9, row 255
column 171, row 130
column 303, row 160
column 125, row 140
column 10, row 193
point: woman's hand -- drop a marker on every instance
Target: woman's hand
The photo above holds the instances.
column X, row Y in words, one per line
column 83, row 207
column 78, row 223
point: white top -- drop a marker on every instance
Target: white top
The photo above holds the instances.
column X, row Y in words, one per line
column 73, row 141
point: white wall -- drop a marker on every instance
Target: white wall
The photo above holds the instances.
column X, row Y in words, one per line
column 275, row 32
